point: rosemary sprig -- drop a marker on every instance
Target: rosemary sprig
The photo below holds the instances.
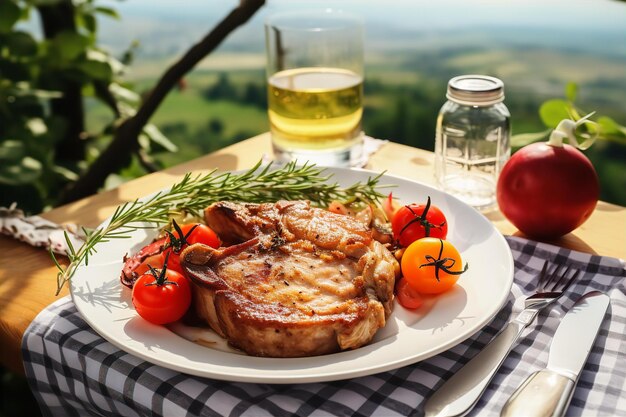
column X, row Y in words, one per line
column 194, row 193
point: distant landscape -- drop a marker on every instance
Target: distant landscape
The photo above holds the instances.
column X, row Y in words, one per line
column 407, row 68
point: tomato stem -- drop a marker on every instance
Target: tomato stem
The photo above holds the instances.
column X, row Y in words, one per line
column 566, row 129
column 440, row 263
column 160, row 277
column 178, row 243
column 421, row 219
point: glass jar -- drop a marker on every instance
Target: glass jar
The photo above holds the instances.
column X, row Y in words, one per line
column 472, row 141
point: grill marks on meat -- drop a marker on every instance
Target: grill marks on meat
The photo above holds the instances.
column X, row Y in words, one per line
column 296, row 280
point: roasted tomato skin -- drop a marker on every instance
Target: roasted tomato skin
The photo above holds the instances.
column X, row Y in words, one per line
column 131, row 264
column 407, row 296
column 154, row 261
column 547, row 191
column 155, row 252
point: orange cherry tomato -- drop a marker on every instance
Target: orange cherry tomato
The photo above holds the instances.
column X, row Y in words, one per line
column 431, row 265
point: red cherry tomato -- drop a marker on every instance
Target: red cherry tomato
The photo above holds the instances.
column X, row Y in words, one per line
column 431, row 265
column 174, row 263
column 547, row 191
column 163, row 299
column 407, row 296
column 201, row 234
column 416, row 221
column 185, row 235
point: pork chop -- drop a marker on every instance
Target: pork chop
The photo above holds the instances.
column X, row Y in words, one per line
column 295, row 280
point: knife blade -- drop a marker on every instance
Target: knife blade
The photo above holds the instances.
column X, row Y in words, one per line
column 548, row 392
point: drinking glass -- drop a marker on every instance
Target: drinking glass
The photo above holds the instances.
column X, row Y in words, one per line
column 315, row 86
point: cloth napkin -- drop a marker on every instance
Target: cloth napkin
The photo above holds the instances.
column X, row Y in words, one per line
column 73, row 371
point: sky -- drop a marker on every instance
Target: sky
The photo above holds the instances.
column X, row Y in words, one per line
column 388, row 23
column 610, row 14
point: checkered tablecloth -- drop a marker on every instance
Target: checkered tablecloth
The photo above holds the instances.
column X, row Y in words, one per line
column 73, row 371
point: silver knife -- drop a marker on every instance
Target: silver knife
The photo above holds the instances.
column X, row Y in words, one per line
column 548, row 392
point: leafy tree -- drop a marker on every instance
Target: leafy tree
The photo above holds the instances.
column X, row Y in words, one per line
column 255, row 95
column 42, row 84
column 222, row 88
column 216, row 126
column 46, row 155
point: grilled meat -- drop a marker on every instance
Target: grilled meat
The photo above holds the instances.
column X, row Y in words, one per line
column 295, row 280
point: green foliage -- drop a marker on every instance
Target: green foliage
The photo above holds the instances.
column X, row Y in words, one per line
column 43, row 83
column 553, row 111
column 251, row 93
column 404, row 113
column 198, row 125
column 9, row 15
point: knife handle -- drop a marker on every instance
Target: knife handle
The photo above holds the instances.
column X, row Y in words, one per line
column 544, row 394
column 459, row 394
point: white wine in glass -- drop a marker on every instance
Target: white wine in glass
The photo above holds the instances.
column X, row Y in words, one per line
column 315, row 108
column 315, row 86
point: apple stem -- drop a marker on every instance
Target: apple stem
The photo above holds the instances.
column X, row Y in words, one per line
column 566, row 129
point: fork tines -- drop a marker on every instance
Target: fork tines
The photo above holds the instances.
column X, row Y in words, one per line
column 556, row 278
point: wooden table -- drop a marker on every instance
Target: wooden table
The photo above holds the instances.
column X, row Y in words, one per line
column 27, row 274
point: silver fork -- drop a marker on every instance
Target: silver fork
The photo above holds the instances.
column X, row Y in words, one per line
column 458, row 395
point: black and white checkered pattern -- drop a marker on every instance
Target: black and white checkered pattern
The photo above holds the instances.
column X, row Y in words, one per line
column 73, row 371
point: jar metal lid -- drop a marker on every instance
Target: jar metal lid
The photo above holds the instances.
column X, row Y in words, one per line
column 475, row 90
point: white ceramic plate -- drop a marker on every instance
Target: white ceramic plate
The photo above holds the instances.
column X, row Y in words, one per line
column 409, row 336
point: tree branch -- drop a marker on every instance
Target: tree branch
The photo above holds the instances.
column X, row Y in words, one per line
column 56, row 18
column 125, row 142
column 103, row 93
